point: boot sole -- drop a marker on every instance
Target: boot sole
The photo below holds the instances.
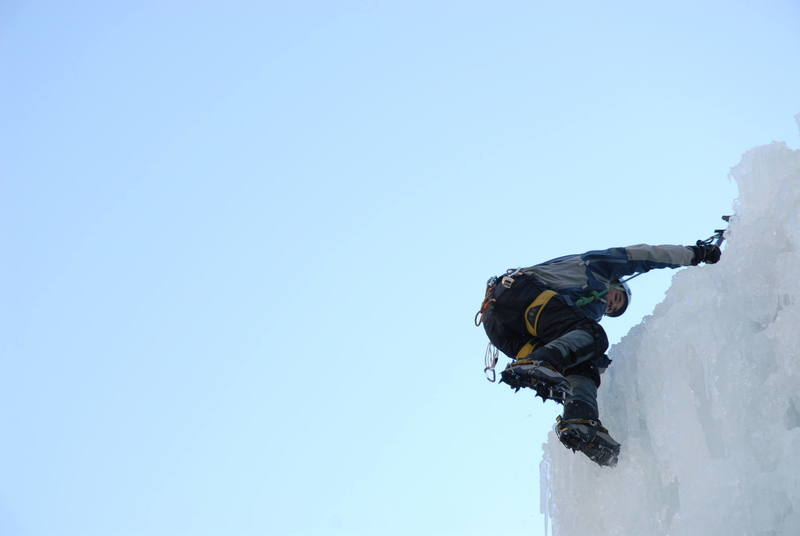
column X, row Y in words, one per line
column 601, row 449
column 548, row 384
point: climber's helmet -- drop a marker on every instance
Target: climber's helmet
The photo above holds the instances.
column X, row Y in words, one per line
column 618, row 298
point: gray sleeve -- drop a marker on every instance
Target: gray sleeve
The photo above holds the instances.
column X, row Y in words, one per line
column 668, row 254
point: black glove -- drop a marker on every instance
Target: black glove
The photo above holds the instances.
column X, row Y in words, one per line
column 707, row 253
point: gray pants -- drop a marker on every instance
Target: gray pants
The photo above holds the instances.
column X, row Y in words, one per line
column 577, row 347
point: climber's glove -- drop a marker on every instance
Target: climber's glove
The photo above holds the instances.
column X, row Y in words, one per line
column 707, row 253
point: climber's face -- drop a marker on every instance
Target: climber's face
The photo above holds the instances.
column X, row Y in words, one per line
column 616, row 300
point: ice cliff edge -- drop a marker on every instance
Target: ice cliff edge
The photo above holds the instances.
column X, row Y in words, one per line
column 704, row 394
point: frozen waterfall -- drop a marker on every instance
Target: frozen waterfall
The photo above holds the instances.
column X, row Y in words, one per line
column 704, row 394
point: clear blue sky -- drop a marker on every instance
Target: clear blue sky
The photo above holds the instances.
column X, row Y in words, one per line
column 243, row 245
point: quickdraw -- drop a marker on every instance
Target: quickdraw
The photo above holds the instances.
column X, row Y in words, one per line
column 490, row 360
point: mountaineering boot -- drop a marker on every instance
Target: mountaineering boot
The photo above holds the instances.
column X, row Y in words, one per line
column 541, row 375
column 590, row 437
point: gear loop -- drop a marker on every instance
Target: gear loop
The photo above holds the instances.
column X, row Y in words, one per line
column 488, row 300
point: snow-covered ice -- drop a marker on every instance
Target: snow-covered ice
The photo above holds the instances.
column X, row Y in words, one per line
column 704, row 394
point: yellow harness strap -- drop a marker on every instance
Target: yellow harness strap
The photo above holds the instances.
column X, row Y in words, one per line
column 525, row 350
column 540, row 302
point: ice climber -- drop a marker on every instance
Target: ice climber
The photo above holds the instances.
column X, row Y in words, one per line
column 546, row 319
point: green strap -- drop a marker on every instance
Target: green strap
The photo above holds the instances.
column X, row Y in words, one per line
column 586, row 300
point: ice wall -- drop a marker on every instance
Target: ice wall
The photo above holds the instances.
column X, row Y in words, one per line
column 704, row 394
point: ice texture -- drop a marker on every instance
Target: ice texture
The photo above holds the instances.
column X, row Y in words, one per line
column 704, row 394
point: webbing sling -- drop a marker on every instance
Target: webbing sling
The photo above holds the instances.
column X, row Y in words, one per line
column 541, row 301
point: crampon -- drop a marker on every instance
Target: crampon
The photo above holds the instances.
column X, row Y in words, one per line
column 589, row 437
column 539, row 376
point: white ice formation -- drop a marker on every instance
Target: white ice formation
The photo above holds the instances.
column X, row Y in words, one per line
column 704, row 394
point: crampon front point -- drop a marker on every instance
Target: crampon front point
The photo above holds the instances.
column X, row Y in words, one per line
column 537, row 375
column 590, row 437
